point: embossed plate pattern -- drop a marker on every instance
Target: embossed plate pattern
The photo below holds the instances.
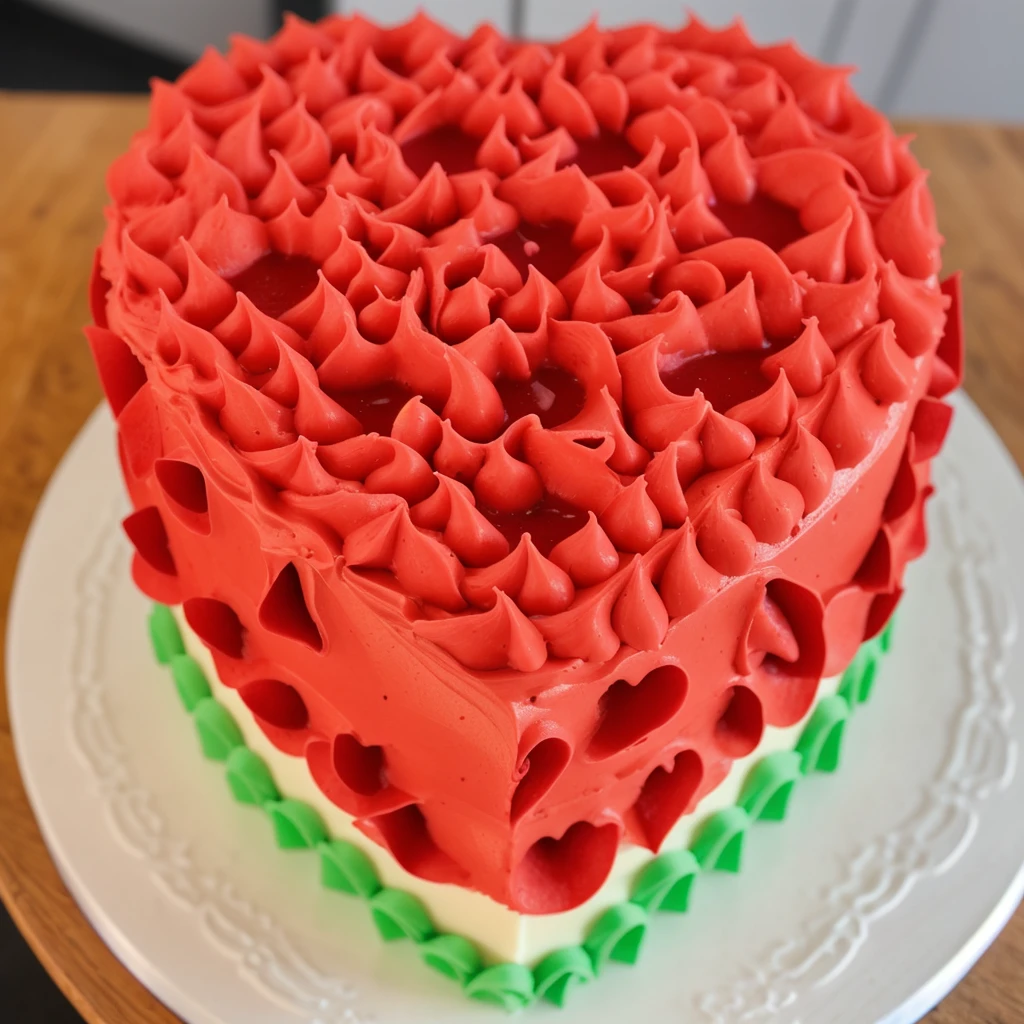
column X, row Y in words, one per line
column 884, row 885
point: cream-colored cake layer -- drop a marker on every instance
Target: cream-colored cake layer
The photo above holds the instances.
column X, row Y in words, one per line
column 501, row 933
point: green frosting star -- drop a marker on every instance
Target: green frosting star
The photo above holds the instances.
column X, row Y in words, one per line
column 344, row 867
column 190, row 680
column 509, row 986
column 769, row 785
column 718, row 844
column 666, row 882
column 250, row 779
column 296, row 825
column 453, row 956
column 218, row 731
column 821, row 743
column 617, row 935
column 400, row 915
column 560, row 972
column 164, row 634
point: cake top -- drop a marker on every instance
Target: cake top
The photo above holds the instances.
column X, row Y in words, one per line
column 531, row 327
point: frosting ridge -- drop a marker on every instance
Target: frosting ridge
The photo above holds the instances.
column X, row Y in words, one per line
column 536, row 363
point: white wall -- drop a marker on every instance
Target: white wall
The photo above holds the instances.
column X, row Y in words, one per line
column 872, row 35
column 939, row 58
column 805, row 20
column 932, row 58
column 460, row 15
column 180, row 28
column 969, row 62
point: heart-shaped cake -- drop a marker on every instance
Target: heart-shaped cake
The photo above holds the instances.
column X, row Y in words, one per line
column 526, row 429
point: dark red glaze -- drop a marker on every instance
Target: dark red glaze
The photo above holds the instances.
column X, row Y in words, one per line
column 548, row 522
column 724, row 378
column 547, row 246
column 393, row 60
column 554, row 395
column 606, row 151
column 762, row 218
column 376, row 407
column 276, row 282
column 452, row 148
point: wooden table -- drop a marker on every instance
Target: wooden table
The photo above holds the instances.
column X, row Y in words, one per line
column 55, row 151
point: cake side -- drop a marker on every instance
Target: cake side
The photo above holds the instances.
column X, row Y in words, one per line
column 455, row 928
column 503, row 492
column 500, row 933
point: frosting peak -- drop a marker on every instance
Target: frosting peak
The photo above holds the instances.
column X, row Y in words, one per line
column 667, row 281
column 513, row 399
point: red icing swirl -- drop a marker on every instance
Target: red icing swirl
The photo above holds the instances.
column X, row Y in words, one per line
column 543, row 351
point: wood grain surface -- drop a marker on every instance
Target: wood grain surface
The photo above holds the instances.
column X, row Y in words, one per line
column 55, row 151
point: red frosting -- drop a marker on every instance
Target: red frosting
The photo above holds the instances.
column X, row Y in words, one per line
column 523, row 419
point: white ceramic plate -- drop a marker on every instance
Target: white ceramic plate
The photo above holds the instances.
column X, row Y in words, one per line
column 885, row 884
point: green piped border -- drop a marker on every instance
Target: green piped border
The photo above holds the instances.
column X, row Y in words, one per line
column 665, row 883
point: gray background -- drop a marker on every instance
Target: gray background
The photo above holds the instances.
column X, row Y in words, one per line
column 931, row 58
